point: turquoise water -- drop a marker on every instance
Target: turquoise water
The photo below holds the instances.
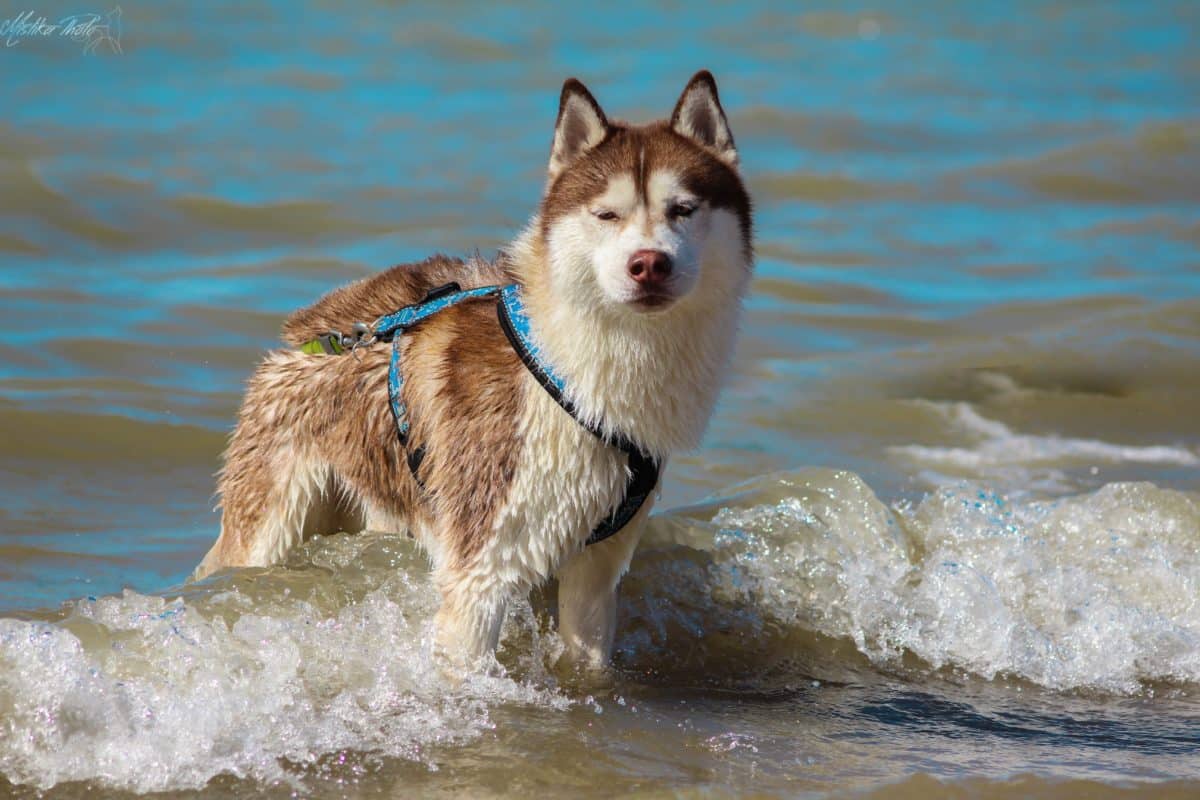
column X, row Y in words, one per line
column 977, row 275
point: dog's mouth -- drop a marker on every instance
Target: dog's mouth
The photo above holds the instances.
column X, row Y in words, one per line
column 652, row 301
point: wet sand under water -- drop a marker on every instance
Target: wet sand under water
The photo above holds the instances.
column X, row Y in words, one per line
column 943, row 536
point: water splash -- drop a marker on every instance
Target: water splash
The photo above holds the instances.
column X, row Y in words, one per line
column 261, row 674
column 145, row 693
column 1097, row 591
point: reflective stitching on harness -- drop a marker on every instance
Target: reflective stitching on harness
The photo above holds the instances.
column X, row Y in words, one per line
column 395, row 384
column 400, row 321
column 516, row 326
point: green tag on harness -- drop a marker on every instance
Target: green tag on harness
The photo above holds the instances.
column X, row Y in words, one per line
column 329, row 344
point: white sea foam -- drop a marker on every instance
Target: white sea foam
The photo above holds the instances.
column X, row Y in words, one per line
column 139, row 692
column 1023, row 460
column 1098, row 591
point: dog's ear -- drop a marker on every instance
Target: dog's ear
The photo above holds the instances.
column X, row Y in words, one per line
column 698, row 115
column 581, row 126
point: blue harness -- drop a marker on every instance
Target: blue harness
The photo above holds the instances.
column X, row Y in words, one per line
column 644, row 471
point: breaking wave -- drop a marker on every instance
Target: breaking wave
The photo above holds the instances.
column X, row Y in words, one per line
column 792, row 576
column 242, row 676
column 1098, row 591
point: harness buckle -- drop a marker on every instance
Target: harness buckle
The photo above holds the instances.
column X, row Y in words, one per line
column 442, row 291
column 360, row 335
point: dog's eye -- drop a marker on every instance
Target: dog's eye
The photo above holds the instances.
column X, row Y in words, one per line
column 680, row 210
column 606, row 215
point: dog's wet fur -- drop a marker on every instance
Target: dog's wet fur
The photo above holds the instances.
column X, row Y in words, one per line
column 633, row 272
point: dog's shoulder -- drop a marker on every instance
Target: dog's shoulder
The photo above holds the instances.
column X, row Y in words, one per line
column 465, row 393
column 370, row 298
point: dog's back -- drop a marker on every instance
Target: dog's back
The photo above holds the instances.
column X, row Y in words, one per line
column 370, row 298
column 316, row 448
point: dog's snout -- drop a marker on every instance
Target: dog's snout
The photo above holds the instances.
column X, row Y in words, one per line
column 649, row 266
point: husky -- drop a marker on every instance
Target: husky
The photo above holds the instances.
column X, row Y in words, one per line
column 505, row 454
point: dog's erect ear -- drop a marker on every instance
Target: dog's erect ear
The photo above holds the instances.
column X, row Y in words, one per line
column 581, row 126
column 698, row 115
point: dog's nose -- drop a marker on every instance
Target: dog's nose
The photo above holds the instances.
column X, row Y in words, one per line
column 649, row 266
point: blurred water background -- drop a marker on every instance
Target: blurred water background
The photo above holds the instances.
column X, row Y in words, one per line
column 944, row 529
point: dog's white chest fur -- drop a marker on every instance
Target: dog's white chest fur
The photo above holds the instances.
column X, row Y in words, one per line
column 567, row 481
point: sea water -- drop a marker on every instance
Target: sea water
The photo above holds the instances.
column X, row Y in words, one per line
column 943, row 530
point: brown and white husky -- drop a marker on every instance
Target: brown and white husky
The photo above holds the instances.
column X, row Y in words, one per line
column 631, row 273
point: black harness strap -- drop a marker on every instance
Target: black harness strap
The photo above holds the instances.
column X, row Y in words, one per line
column 414, row 458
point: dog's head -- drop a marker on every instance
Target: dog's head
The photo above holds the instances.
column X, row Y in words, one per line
column 642, row 219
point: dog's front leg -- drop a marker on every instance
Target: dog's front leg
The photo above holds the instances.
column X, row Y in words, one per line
column 587, row 595
column 469, row 620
